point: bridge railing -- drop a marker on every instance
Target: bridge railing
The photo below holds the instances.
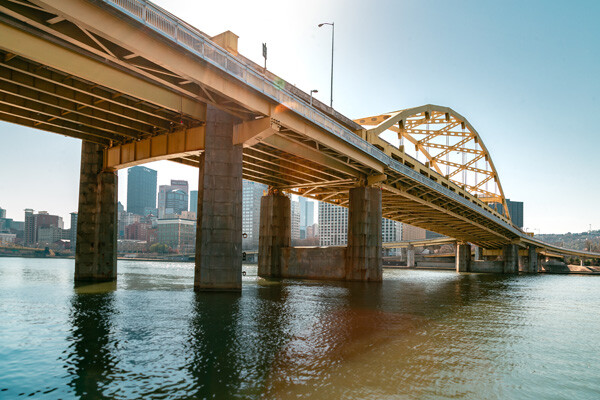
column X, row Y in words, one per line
column 194, row 41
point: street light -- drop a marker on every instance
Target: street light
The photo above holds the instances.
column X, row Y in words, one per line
column 311, row 93
column 332, row 37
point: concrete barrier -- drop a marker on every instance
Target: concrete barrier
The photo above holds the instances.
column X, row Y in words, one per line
column 487, row 266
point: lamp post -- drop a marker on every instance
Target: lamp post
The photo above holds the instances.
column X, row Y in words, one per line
column 311, row 95
column 332, row 39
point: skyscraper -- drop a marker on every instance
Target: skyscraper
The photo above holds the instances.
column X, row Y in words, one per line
column 30, row 230
column 141, row 189
column 194, row 201
column 295, row 215
column 162, row 195
column 515, row 209
column 176, row 201
column 73, row 230
column 252, row 192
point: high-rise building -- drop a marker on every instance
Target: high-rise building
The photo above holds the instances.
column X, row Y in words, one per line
column 2, row 213
column 180, row 234
column 410, row 232
column 141, row 189
column 252, row 192
column 307, row 210
column 176, row 201
column 515, row 209
column 73, row 230
column 295, row 214
column 333, row 226
column 163, row 190
column 194, row 201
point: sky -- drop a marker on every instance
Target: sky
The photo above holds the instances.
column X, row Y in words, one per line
column 524, row 73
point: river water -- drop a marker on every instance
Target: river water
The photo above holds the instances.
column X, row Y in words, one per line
column 418, row 335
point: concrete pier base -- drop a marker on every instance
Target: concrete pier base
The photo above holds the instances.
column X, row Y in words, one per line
column 96, row 249
column 532, row 262
column 363, row 255
column 463, row 257
column 274, row 235
column 219, row 224
column 410, row 256
column 510, row 257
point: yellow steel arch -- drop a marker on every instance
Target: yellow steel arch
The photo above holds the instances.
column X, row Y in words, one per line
column 446, row 142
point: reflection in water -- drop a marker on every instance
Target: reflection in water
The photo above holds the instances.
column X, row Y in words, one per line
column 90, row 361
column 419, row 334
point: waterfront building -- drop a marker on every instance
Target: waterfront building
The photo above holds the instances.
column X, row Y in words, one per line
column 7, row 238
column 141, row 189
column 252, row 192
column 125, row 219
column 47, row 235
column 137, row 231
column 178, row 233
column 194, row 201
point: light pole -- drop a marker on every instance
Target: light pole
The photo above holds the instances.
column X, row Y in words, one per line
column 332, row 40
column 311, row 93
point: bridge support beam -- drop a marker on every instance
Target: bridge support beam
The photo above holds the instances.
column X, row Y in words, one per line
column 275, row 233
column 219, row 223
column 478, row 255
column 463, row 257
column 96, row 248
column 363, row 255
column 510, row 257
column 410, row 256
column 532, row 262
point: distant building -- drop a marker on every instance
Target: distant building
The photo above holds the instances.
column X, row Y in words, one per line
column 41, row 220
column 295, row 215
column 333, row 226
column 2, row 213
column 6, row 238
column 410, row 232
column 307, row 211
column 48, row 234
column 515, row 209
column 194, row 201
column 312, row 231
column 179, row 234
column 176, row 201
column 137, row 231
column 252, row 193
column 141, row 189
column 163, row 196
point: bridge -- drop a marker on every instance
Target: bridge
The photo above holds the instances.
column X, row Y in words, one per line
column 137, row 84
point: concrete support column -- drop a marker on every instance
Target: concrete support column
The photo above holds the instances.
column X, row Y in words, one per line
column 363, row 255
column 510, row 257
column 219, row 224
column 275, row 233
column 96, row 248
column 410, row 256
column 532, row 263
column 478, row 253
column 463, row 257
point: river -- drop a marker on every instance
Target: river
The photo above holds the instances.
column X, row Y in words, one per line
column 417, row 335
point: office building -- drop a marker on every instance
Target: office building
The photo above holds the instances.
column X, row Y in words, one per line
column 307, row 210
column 194, row 201
column 333, row 226
column 2, row 213
column 295, row 222
column 163, row 192
column 141, row 189
column 410, row 232
column 252, row 192
column 515, row 209
column 177, row 233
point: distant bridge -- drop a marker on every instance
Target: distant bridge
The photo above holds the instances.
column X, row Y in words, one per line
column 138, row 84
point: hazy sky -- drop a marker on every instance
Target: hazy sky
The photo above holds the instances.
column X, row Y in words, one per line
column 524, row 73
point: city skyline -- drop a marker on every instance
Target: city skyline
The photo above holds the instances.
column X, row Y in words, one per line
column 516, row 71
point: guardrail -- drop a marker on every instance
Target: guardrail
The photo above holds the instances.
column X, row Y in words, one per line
column 178, row 31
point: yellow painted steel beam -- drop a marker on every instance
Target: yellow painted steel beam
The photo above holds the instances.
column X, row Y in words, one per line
column 162, row 147
column 47, row 53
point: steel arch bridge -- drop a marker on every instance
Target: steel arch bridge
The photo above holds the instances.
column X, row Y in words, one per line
column 445, row 141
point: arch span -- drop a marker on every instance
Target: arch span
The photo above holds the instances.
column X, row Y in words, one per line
column 445, row 141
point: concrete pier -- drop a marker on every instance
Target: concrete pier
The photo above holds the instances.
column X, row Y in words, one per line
column 510, row 258
column 532, row 262
column 478, row 254
column 96, row 249
column 219, row 224
column 275, row 233
column 410, row 256
column 363, row 255
column 463, row 257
